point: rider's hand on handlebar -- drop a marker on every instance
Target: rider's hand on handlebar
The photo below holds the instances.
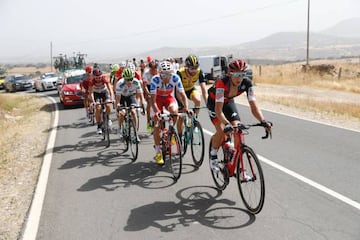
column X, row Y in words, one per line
column 267, row 125
column 228, row 128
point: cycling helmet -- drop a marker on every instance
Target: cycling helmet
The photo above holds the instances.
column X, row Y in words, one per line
column 115, row 67
column 191, row 61
column 122, row 64
column 131, row 66
column 166, row 66
column 88, row 69
column 128, row 73
column 237, row 65
column 153, row 64
column 97, row 72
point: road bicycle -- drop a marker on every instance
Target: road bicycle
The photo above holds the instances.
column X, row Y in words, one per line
column 129, row 132
column 170, row 144
column 241, row 162
column 105, row 121
column 193, row 135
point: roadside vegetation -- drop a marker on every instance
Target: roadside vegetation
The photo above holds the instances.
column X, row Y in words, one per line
column 337, row 75
column 24, row 124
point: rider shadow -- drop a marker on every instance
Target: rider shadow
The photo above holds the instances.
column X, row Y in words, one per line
column 133, row 174
column 198, row 207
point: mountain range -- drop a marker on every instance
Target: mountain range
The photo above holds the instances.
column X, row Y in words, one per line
column 340, row 40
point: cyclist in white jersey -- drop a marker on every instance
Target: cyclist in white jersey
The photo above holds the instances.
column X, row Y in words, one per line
column 162, row 88
column 128, row 89
column 148, row 74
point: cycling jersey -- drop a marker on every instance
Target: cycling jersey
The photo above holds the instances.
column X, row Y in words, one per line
column 86, row 82
column 147, row 76
column 158, row 87
column 190, row 81
column 220, row 90
column 99, row 85
column 124, row 90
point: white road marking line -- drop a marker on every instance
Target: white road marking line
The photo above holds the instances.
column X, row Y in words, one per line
column 306, row 180
column 32, row 223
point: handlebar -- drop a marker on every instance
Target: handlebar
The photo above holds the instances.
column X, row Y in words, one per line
column 240, row 127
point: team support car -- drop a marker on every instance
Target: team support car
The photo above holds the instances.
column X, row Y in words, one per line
column 18, row 82
column 47, row 81
column 69, row 90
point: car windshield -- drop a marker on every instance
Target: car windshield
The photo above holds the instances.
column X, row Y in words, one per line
column 75, row 79
column 23, row 77
column 48, row 75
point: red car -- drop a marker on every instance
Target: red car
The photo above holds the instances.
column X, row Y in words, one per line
column 69, row 90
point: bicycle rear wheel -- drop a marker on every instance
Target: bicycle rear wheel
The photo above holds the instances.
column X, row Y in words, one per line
column 133, row 142
column 221, row 178
column 175, row 158
column 250, row 181
column 197, row 144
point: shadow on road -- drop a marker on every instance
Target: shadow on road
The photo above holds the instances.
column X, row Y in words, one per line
column 197, row 204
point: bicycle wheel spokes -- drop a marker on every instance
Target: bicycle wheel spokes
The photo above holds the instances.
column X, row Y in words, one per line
column 221, row 178
column 133, row 143
column 250, row 180
column 175, row 155
column 197, row 144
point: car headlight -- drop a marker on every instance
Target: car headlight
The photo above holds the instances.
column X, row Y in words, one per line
column 68, row 93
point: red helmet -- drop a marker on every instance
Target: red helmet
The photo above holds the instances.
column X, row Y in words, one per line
column 237, row 65
column 88, row 69
column 97, row 72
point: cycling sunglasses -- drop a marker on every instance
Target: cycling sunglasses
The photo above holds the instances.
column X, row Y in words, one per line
column 238, row 74
column 129, row 79
column 165, row 75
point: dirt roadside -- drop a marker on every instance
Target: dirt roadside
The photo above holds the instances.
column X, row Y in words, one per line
column 18, row 179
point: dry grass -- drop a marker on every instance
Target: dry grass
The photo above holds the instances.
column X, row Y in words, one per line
column 291, row 74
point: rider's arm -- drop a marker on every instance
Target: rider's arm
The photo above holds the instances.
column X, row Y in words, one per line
column 91, row 92
column 203, row 91
column 110, row 90
column 255, row 110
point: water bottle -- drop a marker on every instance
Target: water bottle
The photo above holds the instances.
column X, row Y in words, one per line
column 230, row 149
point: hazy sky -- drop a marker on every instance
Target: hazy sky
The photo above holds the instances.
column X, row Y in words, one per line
column 125, row 27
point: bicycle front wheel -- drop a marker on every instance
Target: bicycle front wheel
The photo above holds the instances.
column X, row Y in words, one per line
column 175, row 158
column 250, row 180
column 197, row 144
column 133, row 140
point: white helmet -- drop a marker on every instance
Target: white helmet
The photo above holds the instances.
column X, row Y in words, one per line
column 122, row 64
column 166, row 66
column 131, row 66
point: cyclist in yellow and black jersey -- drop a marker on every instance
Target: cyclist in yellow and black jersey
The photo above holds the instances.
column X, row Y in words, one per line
column 190, row 75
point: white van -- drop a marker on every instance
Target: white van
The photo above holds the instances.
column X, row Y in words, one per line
column 214, row 66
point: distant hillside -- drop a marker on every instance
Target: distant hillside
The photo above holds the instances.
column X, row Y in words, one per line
column 341, row 40
column 347, row 28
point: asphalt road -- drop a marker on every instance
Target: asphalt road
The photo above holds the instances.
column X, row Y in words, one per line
column 311, row 175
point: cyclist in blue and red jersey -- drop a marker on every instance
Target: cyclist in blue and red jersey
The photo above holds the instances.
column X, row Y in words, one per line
column 162, row 88
column 222, row 108
column 99, row 88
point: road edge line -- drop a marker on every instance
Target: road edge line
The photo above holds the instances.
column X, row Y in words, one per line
column 33, row 219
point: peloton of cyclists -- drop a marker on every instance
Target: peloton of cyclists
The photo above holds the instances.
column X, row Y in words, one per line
column 162, row 88
column 100, row 88
column 222, row 108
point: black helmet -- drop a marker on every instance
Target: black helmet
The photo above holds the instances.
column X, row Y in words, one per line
column 191, row 61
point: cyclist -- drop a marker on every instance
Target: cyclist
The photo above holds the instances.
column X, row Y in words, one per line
column 127, row 90
column 162, row 89
column 190, row 75
column 99, row 88
column 148, row 74
column 118, row 74
column 84, row 85
column 222, row 108
column 114, row 69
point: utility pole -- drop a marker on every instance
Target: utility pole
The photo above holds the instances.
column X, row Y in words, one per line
column 51, row 58
column 308, row 27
